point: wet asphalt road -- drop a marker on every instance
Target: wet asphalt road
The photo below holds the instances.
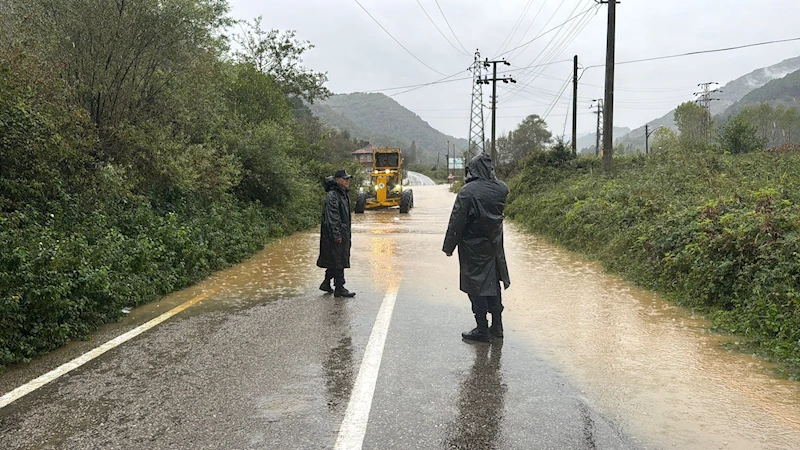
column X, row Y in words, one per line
column 269, row 361
column 418, row 179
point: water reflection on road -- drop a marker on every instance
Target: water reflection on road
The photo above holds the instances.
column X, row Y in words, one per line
column 481, row 399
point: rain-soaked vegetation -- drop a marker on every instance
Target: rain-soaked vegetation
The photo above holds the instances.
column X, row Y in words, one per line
column 712, row 227
column 138, row 153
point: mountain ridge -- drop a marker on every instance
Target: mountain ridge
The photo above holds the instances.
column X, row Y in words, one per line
column 731, row 93
column 381, row 120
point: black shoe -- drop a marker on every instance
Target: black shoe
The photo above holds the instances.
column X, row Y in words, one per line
column 477, row 334
column 496, row 330
column 342, row 292
column 326, row 286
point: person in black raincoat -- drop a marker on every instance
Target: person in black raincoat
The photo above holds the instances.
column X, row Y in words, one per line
column 476, row 228
column 334, row 239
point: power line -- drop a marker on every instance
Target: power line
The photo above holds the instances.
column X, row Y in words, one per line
column 451, row 28
column 549, row 31
column 700, row 52
column 447, row 79
column 559, row 44
column 546, row 23
column 505, row 117
column 440, row 31
column 521, row 38
column 557, row 99
column 398, row 42
column 443, row 80
column 514, row 28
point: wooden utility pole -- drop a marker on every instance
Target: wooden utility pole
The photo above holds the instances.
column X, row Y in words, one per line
column 575, row 108
column 494, row 81
column 608, row 105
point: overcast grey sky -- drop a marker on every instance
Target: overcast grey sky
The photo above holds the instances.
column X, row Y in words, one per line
column 360, row 57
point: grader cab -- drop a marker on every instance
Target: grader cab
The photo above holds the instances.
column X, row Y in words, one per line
column 386, row 183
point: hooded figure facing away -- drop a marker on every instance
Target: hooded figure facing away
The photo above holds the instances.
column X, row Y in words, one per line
column 334, row 237
column 476, row 228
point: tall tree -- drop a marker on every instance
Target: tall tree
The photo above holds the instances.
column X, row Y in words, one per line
column 121, row 57
column 279, row 54
column 530, row 135
column 691, row 120
column 740, row 136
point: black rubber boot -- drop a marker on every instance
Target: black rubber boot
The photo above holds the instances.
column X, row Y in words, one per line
column 479, row 333
column 326, row 286
column 496, row 330
column 342, row 292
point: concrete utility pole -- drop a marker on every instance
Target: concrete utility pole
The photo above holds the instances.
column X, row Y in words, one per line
column 705, row 101
column 494, row 81
column 599, row 104
column 447, row 161
column 608, row 105
column 575, row 108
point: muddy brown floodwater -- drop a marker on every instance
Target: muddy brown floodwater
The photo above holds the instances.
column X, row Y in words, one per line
column 647, row 362
column 650, row 367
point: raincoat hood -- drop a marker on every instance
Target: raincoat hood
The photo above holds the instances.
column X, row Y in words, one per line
column 480, row 168
column 329, row 183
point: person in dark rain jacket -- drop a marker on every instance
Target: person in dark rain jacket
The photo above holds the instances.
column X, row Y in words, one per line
column 334, row 239
column 476, row 228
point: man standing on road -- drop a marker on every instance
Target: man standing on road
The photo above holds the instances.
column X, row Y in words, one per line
column 334, row 239
column 476, row 228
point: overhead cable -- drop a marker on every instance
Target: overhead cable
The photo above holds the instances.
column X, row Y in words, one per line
column 451, row 28
column 440, row 31
column 700, row 52
column 395, row 39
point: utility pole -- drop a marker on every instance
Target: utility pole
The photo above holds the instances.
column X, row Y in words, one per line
column 705, row 101
column 494, row 81
column 575, row 108
column 599, row 104
column 608, row 105
column 476, row 133
column 447, row 161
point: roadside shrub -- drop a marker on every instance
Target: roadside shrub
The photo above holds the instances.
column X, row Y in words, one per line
column 720, row 234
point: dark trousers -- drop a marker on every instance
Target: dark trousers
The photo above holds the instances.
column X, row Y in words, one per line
column 337, row 275
column 481, row 305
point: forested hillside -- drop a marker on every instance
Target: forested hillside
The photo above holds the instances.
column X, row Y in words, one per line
column 730, row 94
column 137, row 155
column 384, row 122
column 587, row 142
column 780, row 92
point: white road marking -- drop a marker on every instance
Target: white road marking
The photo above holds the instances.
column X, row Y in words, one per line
column 354, row 425
column 32, row 385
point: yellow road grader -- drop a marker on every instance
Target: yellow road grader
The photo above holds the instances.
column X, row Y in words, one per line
column 386, row 183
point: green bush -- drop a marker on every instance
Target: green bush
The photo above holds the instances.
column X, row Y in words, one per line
column 194, row 170
column 718, row 233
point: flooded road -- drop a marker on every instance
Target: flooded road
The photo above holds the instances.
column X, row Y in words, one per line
column 263, row 359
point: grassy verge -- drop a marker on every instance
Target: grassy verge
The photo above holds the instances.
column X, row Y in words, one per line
column 717, row 233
